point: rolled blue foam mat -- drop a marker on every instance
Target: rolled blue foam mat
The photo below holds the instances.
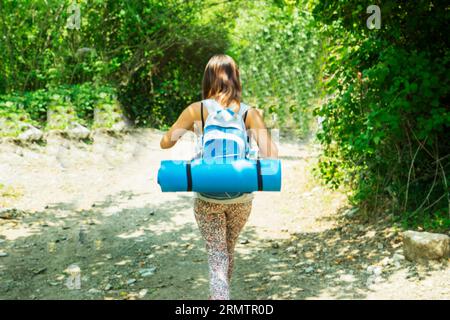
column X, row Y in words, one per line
column 200, row 175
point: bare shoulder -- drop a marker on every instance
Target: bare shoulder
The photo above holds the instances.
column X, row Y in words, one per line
column 194, row 110
column 254, row 115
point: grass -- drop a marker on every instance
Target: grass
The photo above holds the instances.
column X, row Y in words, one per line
column 9, row 193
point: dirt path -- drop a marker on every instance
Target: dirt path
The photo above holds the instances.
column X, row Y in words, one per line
column 98, row 206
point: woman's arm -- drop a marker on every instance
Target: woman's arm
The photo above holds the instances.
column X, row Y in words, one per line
column 184, row 123
column 267, row 148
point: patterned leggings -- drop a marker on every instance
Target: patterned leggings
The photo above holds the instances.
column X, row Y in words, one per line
column 220, row 225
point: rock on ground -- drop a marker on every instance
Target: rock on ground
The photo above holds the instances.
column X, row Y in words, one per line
column 78, row 131
column 425, row 246
column 31, row 134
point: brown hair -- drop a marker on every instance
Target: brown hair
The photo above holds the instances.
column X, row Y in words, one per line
column 221, row 80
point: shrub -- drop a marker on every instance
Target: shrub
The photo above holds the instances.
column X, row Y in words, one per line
column 386, row 118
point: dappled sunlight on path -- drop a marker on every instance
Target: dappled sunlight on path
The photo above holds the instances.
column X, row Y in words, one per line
column 104, row 212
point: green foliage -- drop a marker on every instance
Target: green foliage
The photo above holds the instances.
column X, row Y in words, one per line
column 13, row 118
column 437, row 221
column 386, row 112
column 8, row 191
column 278, row 52
column 152, row 51
column 57, row 108
column 84, row 98
column 61, row 113
column 107, row 110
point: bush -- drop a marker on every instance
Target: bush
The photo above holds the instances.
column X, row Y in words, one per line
column 107, row 110
column 13, row 118
column 67, row 104
column 386, row 119
column 153, row 52
column 278, row 48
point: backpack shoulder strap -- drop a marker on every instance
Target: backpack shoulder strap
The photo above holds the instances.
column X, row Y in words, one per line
column 243, row 111
column 244, row 117
column 201, row 114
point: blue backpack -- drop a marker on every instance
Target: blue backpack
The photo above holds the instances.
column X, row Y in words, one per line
column 224, row 138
